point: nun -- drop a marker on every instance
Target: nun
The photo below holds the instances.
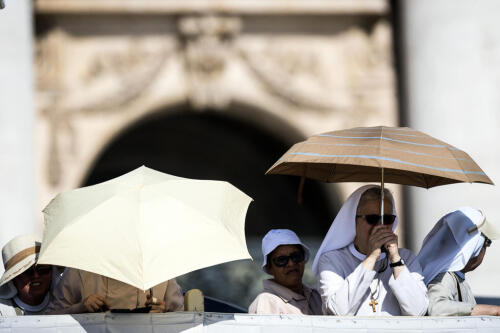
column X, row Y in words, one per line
column 25, row 286
column 284, row 258
column 456, row 245
column 355, row 277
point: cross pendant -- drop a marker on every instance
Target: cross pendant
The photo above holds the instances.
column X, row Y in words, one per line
column 373, row 303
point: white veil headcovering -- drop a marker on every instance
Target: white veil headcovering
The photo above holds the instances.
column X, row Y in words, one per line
column 449, row 245
column 343, row 229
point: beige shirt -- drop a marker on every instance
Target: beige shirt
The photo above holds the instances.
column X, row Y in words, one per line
column 277, row 299
column 76, row 285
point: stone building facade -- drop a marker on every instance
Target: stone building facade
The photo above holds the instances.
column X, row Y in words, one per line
column 108, row 70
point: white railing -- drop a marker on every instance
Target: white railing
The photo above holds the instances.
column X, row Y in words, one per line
column 241, row 323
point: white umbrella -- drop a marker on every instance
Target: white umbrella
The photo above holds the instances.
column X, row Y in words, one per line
column 146, row 227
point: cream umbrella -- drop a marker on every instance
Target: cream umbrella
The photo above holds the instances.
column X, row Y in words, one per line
column 146, row 227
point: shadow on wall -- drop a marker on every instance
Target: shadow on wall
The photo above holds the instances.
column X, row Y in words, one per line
column 214, row 146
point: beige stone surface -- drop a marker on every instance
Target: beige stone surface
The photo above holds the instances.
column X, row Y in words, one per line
column 313, row 66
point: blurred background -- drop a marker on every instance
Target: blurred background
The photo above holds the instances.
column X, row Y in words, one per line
column 220, row 89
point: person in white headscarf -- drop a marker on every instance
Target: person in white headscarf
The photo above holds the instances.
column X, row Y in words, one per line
column 25, row 286
column 354, row 276
column 284, row 258
column 456, row 245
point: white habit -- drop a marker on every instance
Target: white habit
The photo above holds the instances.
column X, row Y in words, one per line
column 347, row 288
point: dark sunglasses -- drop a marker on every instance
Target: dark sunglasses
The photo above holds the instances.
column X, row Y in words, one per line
column 40, row 269
column 373, row 219
column 282, row 261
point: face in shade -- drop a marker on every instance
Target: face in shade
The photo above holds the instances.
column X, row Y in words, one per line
column 286, row 264
column 363, row 227
column 33, row 284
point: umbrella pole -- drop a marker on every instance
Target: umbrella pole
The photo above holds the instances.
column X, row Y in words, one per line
column 382, row 197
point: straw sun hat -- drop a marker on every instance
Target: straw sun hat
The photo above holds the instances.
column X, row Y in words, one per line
column 18, row 255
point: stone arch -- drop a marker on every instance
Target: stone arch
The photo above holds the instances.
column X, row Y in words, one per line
column 237, row 146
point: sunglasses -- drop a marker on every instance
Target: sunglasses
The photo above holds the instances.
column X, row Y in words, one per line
column 40, row 269
column 282, row 261
column 373, row 219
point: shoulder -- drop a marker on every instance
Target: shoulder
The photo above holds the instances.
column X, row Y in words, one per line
column 7, row 308
column 264, row 303
column 334, row 257
column 444, row 279
column 171, row 284
column 337, row 261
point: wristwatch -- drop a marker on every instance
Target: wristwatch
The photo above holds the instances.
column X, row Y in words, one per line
column 401, row 262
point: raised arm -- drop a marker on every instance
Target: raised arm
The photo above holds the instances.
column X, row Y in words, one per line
column 342, row 295
column 408, row 287
column 67, row 296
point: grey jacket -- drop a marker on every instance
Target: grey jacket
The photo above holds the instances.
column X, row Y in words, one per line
column 450, row 295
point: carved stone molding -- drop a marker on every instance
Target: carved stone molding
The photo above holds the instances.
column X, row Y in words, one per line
column 339, row 73
column 207, row 50
column 83, row 77
column 76, row 78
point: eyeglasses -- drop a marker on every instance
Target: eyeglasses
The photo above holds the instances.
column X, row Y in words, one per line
column 282, row 261
column 374, row 218
column 40, row 269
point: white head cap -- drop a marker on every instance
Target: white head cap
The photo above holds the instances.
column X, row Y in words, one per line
column 277, row 237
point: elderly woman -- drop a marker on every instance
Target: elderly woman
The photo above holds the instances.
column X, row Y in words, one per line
column 456, row 245
column 24, row 286
column 355, row 277
column 284, row 258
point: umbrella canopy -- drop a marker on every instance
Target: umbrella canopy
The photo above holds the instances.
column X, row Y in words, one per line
column 406, row 156
column 146, row 227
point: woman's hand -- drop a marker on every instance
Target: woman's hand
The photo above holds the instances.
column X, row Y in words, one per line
column 157, row 306
column 382, row 235
column 95, row 303
column 485, row 310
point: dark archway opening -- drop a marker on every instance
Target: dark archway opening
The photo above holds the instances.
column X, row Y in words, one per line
column 211, row 145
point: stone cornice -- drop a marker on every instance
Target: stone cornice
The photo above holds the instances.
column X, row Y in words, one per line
column 243, row 7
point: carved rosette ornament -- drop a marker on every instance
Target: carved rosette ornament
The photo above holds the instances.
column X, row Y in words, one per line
column 207, row 51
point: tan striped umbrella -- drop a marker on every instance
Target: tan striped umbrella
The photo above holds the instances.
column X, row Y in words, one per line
column 397, row 155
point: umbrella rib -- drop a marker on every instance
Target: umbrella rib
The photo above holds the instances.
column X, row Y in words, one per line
column 452, row 151
column 210, row 218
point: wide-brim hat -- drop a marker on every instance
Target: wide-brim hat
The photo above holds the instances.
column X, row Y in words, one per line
column 484, row 226
column 18, row 255
column 277, row 237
